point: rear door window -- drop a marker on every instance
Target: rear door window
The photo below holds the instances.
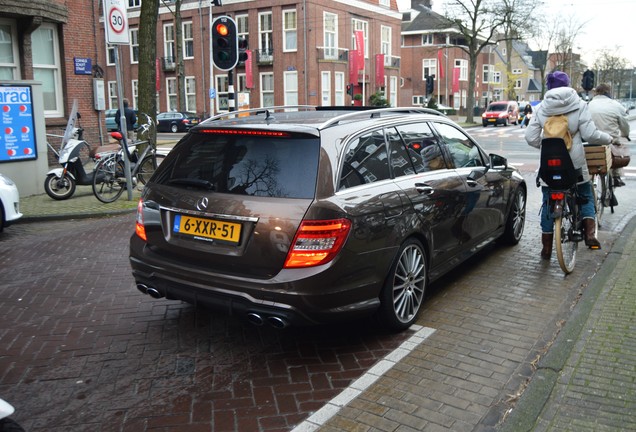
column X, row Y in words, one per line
column 423, row 147
column 245, row 165
column 366, row 160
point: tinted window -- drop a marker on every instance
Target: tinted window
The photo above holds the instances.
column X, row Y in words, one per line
column 401, row 159
column 461, row 149
column 498, row 107
column 245, row 165
column 366, row 160
column 423, row 147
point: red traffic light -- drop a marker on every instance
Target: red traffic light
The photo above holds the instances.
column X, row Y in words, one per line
column 222, row 29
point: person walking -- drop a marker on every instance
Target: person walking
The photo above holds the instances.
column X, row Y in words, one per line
column 527, row 114
column 611, row 117
column 131, row 119
column 562, row 99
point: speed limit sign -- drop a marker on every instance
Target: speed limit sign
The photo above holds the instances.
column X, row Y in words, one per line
column 116, row 22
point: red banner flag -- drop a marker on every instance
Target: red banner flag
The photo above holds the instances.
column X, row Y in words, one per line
column 440, row 57
column 353, row 66
column 456, row 72
column 249, row 80
column 379, row 69
column 360, row 48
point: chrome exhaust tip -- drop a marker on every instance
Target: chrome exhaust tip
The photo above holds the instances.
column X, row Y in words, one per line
column 277, row 322
column 143, row 288
column 152, row 292
column 255, row 319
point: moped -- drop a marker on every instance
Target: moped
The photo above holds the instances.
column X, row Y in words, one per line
column 76, row 159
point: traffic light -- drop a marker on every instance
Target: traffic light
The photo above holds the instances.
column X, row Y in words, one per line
column 588, row 80
column 350, row 89
column 429, row 84
column 224, row 43
column 242, row 48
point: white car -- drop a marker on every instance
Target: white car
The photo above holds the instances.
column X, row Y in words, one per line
column 9, row 202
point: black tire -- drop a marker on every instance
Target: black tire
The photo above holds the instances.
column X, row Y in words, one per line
column 148, row 166
column 1, row 217
column 10, row 425
column 516, row 218
column 565, row 246
column 59, row 188
column 109, row 180
column 405, row 287
column 174, row 128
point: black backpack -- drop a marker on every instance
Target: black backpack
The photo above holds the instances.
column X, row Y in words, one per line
column 557, row 169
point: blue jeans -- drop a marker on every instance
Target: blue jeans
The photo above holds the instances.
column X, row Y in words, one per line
column 587, row 209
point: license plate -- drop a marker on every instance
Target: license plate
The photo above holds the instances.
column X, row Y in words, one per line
column 492, row 120
column 207, row 228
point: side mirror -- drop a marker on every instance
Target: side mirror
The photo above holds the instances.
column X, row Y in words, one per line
column 498, row 162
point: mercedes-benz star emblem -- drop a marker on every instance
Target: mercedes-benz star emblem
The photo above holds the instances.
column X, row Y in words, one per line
column 202, row 204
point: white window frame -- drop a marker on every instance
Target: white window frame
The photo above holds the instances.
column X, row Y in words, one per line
column 110, row 55
column 134, row 45
column 187, row 40
column 135, row 92
column 57, row 110
column 290, row 34
column 463, row 69
column 429, row 67
column 517, row 71
column 518, row 84
column 330, row 34
column 266, row 90
column 325, row 88
column 221, row 82
column 417, row 100
column 290, row 88
column 12, row 66
column 134, row 3
column 386, row 3
column 242, row 26
column 393, row 91
column 340, row 88
column 496, row 77
column 356, row 25
column 265, row 34
column 112, row 95
column 385, row 43
column 171, row 94
column 427, row 39
column 169, row 51
column 191, row 94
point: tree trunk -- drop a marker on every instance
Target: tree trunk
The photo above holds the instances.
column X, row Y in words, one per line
column 147, row 60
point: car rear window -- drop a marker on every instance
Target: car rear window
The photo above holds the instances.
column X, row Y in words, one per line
column 284, row 167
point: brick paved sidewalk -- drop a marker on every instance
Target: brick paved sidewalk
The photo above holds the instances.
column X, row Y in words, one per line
column 587, row 381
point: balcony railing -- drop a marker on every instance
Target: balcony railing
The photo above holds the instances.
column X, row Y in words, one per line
column 333, row 54
column 168, row 64
column 392, row 61
column 265, row 56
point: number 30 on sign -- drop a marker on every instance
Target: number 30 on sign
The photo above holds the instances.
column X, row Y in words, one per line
column 116, row 22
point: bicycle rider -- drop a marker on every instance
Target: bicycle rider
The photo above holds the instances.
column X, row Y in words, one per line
column 562, row 99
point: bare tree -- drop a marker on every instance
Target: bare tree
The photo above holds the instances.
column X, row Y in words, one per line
column 147, row 56
column 612, row 69
column 516, row 25
column 477, row 21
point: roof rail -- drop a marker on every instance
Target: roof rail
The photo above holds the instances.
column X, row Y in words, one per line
column 256, row 111
column 375, row 113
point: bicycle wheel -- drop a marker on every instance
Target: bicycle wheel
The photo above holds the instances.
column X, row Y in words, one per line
column 565, row 246
column 109, row 179
column 148, row 166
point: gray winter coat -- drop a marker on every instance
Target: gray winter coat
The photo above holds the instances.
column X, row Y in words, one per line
column 565, row 100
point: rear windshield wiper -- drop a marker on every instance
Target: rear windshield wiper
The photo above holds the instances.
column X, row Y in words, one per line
column 198, row 183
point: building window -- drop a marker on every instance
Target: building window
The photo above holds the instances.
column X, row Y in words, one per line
column 47, row 68
column 290, row 39
column 463, row 69
column 265, row 35
column 112, row 95
column 171, row 94
column 517, row 71
column 385, row 44
column 221, row 93
column 241, row 85
column 496, row 77
column 111, row 55
column 325, row 88
column 242, row 28
column 417, row 100
column 267, row 89
column 134, row 45
column 188, row 41
column 487, row 73
column 291, row 88
column 191, row 94
column 330, row 26
column 393, row 92
column 135, row 92
column 340, row 88
column 9, row 65
column 134, row 3
column 518, row 84
column 168, row 43
column 427, row 39
column 359, row 25
column 429, row 67
column 386, row 3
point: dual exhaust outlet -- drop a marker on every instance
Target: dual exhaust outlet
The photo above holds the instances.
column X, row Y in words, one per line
column 253, row 317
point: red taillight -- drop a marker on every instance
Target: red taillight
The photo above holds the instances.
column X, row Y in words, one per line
column 140, row 229
column 246, row 132
column 317, row 242
column 554, row 162
column 557, row 196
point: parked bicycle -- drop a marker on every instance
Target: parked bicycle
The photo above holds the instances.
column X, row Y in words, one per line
column 109, row 181
column 558, row 173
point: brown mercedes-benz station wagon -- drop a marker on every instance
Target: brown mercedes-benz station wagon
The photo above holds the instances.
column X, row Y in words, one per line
column 307, row 215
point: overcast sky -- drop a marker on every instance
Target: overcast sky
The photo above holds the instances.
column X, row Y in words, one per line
column 607, row 24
